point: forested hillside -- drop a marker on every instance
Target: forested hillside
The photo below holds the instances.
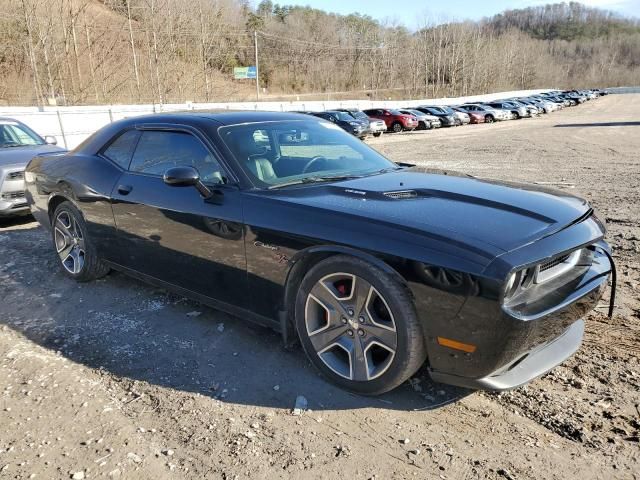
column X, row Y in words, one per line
column 133, row 51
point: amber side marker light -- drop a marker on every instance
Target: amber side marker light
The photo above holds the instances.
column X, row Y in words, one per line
column 465, row 347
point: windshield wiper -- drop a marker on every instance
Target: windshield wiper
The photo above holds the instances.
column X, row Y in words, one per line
column 317, row 179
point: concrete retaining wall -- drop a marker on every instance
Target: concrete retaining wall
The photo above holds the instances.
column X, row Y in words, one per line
column 71, row 125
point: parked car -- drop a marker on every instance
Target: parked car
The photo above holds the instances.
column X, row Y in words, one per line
column 463, row 118
column 355, row 126
column 374, row 266
column 532, row 110
column 474, row 117
column 433, row 120
column 395, row 120
column 445, row 114
column 424, row 120
column 377, row 127
column 490, row 114
column 516, row 111
column 18, row 145
column 576, row 96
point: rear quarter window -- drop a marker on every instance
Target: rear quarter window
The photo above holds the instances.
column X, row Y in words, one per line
column 121, row 149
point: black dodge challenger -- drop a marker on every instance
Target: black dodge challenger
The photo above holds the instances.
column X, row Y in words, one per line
column 286, row 220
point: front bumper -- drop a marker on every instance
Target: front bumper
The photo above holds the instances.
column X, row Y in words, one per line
column 13, row 203
column 532, row 365
column 12, row 196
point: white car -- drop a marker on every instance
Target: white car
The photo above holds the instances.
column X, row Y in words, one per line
column 378, row 127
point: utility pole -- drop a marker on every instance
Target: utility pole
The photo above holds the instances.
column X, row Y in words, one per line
column 255, row 41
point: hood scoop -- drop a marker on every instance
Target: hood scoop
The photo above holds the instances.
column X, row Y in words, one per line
column 401, row 194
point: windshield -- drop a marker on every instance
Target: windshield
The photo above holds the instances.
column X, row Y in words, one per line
column 278, row 153
column 359, row 115
column 15, row 135
column 344, row 116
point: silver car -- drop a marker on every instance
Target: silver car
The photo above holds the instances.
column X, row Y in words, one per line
column 18, row 145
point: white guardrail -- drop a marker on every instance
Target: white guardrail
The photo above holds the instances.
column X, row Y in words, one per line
column 71, row 125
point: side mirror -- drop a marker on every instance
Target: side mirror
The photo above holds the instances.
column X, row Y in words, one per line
column 50, row 140
column 186, row 177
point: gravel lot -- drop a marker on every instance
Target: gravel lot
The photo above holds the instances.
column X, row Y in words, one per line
column 117, row 379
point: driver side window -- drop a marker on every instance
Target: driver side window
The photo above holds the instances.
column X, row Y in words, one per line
column 157, row 151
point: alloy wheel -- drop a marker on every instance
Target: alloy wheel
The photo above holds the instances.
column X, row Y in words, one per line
column 69, row 241
column 351, row 327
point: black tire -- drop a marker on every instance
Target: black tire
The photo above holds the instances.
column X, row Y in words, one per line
column 489, row 119
column 377, row 134
column 386, row 293
column 516, row 115
column 90, row 267
column 397, row 127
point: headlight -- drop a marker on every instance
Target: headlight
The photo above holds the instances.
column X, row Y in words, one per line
column 523, row 279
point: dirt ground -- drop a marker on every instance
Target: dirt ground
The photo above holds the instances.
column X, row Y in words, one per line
column 117, row 379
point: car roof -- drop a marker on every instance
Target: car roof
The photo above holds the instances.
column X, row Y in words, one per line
column 223, row 117
column 9, row 119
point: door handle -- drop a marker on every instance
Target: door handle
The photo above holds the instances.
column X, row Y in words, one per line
column 124, row 189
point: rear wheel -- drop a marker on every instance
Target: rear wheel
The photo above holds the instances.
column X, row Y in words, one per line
column 358, row 325
column 489, row 119
column 397, row 127
column 74, row 248
column 377, row 134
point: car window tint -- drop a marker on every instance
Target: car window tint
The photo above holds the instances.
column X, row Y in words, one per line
column 158, row 151
column 121, row 148
column 15, row 135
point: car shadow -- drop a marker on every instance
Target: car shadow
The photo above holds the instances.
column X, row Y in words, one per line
column 16, row 222
column 603, row 124
column 134, row 331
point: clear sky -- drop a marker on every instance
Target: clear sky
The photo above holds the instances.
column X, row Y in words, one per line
column 413, row 12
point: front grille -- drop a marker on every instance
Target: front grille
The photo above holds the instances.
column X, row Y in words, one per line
column 401, row 195
column 553, row 263
column 12, row 195
column 15, row 176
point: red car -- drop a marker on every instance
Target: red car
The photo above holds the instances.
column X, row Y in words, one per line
column 396, row 121
column 474, row 116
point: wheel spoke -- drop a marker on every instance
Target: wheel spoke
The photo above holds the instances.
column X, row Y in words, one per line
column 384, row 336
column 323, row 339
column 361, row 291
column 77, row 256
column 359, row 368
column 327, row 299
column 65, row 251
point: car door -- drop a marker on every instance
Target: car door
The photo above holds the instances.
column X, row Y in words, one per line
column 172, row 233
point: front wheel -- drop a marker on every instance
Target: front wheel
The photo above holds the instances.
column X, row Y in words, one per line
column 75, row 250
column 397, row 127
column 358, row 325
column 489, row 119
column 377, row 134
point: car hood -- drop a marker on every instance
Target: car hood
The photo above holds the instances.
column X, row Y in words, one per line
column 493, row 216
column 20, row 156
